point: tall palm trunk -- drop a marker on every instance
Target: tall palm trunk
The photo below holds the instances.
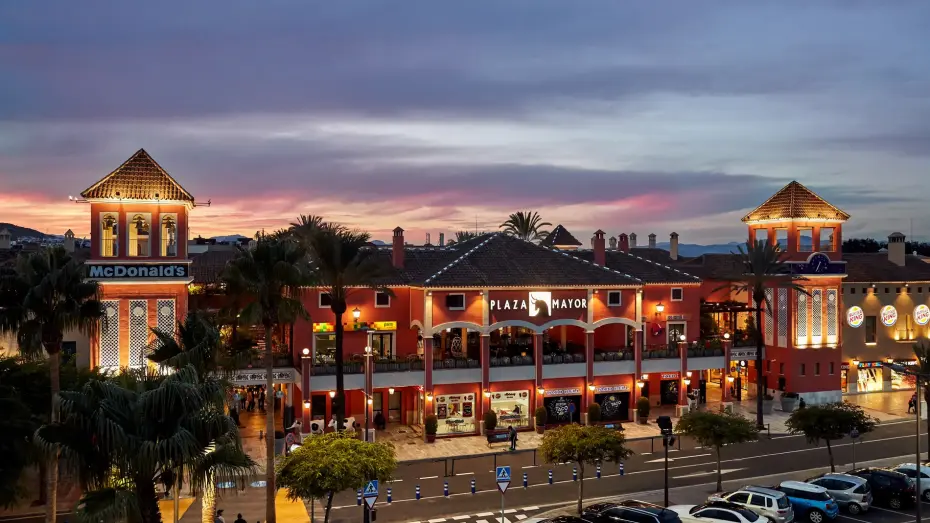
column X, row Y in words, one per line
column 760, row 423
column 148, row 498
column 270, row 516
column 51, row 504
column 208, row 503
column 339, row 409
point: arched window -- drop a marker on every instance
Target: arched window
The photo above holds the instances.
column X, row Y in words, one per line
column 109, row 235
column 169, row 235
column 139, row 228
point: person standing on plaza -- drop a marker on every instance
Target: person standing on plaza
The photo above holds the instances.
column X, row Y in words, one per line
column 239, row 519
column 261, row 400
column 219, row 517
column 513, row 437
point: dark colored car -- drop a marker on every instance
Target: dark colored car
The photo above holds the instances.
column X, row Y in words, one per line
column 629, row 511
column 557, row 519
column 889, row 488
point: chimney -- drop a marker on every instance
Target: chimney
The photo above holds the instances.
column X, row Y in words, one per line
column 673, row 245
column 652, row 240
column 625, row 241
column 600, row 257
column 632, row 240
column 612, row 242
column 896, row 248
column 5, row 239
column 442, row 239
column 69, row 240
column 428, row 242
column 397, row 248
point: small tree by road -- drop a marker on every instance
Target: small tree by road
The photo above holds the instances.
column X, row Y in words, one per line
column 712, row 429
column 829, row 422
column 583, row 445
column 331, row 463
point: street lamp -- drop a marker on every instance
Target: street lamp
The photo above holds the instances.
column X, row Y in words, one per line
column 367, row 391
column 901, row 369
column 356, row 314
column 306, row 351
column 391, row 391
column 660, row 308
column 668, row 439
column 682, row 338
column 726, row 335
column 591, row 387
column 332, row 394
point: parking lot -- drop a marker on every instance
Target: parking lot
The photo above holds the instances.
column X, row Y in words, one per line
column 886, row 515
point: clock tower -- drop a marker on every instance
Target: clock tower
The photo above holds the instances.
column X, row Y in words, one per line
column 802, row 334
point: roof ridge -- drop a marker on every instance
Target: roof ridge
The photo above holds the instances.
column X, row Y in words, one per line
column 659, row 264
column 577, row 259
column 468, row 253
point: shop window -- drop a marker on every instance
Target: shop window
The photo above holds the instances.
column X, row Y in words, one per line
column 871, row 323
column 615, row 406
column 455, row 302
column 886, row 290
column 630, row 336
column 109, row 236
column 563, row 409
column 456, row 413
column 382, row 344
column 897, row 290
column 803, row 370
column 325, row 300
column 920, row 290
column 512, row 408
column 677, row 294
column 324, row 349
column 817, row 369
column 675, row 331
column 852, row 290
column 760, row 235
column 781, row 239
column 169, row 235
column 805, row 239
column 831, row 368
column 139, row 235
column 613, row 298
column 382, row 300
column 826, row 239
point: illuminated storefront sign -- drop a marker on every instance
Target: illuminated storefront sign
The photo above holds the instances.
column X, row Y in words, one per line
column 139, row 271
column 921, row 314
column 357, row 326
column 855, row 316
column 889, row 315
column 538, row 304
column 603, row 389
column 669, row 376
column 563, row 392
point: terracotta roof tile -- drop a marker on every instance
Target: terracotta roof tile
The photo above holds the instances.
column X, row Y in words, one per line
column 560, row 236
column 207, row 267
column 644, row 268
column 795, row 201
column 715, row 266
column 876, row 267
column 139, row 178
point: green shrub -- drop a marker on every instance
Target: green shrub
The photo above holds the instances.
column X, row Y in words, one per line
column 642, row 407
column 542, row 416
column 490, row 420
column 594, row 413
column 431, row 424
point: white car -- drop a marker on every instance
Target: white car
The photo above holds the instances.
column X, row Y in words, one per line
column 717, row 512
column 763, row 501
column 910, row 470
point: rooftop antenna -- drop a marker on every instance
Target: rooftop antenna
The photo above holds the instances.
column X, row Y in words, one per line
column 476, row 224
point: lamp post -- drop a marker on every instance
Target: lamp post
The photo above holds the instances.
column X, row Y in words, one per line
column 901, row 369
column 668, row 439
column 367, row 392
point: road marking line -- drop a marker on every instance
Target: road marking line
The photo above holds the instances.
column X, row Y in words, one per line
column 510, row 511
column 482, row 521
column 854, row 519
column 429, row 477
column 530, row 466
column 521, row 517
column 396, row 480
column 484, row 515
column 526, row 509
column 460, row 518
column 465, row 474
column 437, row 520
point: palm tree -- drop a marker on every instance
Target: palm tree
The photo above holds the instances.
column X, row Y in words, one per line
column 526, row 226
column 197, row 345
column 343, row 264
column 765, row 267
column 46, row 296
column 119, row 434
column 270, row 274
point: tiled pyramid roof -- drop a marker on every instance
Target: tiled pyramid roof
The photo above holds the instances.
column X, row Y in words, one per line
column 560, row 236
column 139, row 178
column 795, row 201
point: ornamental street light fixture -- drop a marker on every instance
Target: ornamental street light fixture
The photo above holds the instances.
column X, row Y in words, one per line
column 726, row 335
column 391, row 391
column 332, row 394
column 591, row 387
column 682, row 338
column 660, row 308
column 356, row 313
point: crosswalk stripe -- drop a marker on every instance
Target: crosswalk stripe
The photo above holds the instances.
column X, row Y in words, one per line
column 521, row 517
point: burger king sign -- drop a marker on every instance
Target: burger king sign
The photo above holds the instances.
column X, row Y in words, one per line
column 921, row 314
column 855, row 316
column 889, row 315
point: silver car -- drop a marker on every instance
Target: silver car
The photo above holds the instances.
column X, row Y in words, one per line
column 763, row 501
column 851, row 493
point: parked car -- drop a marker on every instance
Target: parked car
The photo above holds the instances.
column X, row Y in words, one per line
column 910, row 470
column 852, row 493
column 717, row 512
column 810, row 502
column 889, row 488
column 763, row 501
column 557, row 519
column 630, row 511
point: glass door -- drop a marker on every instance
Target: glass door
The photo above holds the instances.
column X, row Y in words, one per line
column 382, row 344
column 376, row 404
column 394, row 403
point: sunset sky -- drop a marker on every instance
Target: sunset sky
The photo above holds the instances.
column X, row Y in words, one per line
column 621, row 115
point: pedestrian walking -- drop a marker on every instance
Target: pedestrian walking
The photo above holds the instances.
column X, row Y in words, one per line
column 167, row 479
column 801, row 404
column 513, row 437
column 239, row 519
column 219, row 517
column 261, row 400
column 912, row 404
column 251, row 401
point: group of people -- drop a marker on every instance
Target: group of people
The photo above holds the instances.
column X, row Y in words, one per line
column 251, row 397
column 220, row 519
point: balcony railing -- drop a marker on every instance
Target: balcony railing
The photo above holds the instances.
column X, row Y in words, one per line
column 257, row 361
column 511, row 361
column 356, row 365
column 614, row 355
column 456, row 363
column 557, row 358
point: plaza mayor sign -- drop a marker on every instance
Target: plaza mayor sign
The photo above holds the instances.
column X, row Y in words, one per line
column 539, row 304
column 137, row 271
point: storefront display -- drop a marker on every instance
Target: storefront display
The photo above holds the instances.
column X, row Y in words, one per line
column 870, row 377
column 668, row 388
column 563, row 406
column 614, row 402
column 512, row 408
column 901, row 381
column 456, row 413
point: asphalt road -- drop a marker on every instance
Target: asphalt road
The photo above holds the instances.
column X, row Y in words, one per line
column 644, row 471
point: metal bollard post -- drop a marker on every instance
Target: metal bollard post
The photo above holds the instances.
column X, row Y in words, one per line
column 445, row 488
column 472, row 486
column 418, row 492
column 621, row 468
column 574, row 473
column 525, row 480
column 550, row 476
column 598, row 471
column 358, row 497
column 389, row 495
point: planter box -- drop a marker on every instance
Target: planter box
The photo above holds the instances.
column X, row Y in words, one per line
column 788, row 404
column 431, row 438
column 540, row 429
column 767, row 406
column 642, row 420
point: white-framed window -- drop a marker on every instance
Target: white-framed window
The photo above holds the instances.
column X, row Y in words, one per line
column 455, row 301
column 614, row 298
column 382, row 300
column 678, row 293
column 827, row 243
column 168, row 236
column 109, row 235
column 325, row 300
column 140, row 234
column 675, row 330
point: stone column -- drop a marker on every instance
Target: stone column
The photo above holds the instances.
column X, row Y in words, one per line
column 726, row 401
column 428, row 363
column 638, row 370
column 485, row 349
column 683, row 406
column 589, row 374
column 305, row 369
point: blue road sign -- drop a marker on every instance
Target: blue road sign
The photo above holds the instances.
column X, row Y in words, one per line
column 370, row 493
column 503, row 478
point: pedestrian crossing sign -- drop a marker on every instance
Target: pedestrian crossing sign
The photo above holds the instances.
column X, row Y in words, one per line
column 370, row 493
column 503, row 478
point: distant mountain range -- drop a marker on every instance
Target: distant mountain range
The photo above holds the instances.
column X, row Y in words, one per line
column 689, row 250
column 232, row 238
column 21, row 232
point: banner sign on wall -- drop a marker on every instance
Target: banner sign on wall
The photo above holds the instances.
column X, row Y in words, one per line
column 921, row 314
column 600, row 389
column 855, row 316
column 889, row 315
column 563, row 392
